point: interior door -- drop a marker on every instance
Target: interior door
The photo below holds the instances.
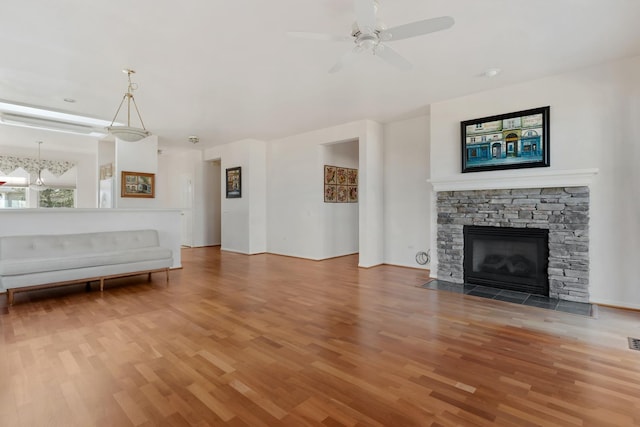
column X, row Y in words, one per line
column 185, row 183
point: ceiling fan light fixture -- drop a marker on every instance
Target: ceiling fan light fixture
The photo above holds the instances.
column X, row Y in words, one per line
column 368, row 43
column 128, row 132
column 369, row 34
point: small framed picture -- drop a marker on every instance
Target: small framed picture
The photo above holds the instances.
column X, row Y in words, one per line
column 353, row 193
column 341, row 176
column 330, row 193
column 138, row 184
column 342, row 195
column 234, row 183
column 352, row 176
column 329, row 174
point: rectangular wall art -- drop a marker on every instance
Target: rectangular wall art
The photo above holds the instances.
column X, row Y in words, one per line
column 138, row 184
column 234, row 183
column 507, row 141
column 340, row 184
column 106, row 171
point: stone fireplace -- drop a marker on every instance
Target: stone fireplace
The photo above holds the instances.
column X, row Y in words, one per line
column 563, row 211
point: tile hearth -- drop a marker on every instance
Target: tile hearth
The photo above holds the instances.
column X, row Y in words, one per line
column 580, row 308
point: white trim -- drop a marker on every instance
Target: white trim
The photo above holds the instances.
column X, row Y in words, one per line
column 515, row 179
column 614, row 304
column 235, row 251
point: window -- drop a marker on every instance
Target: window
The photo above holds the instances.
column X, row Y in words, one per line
column 57, row 198
column 13, row 197
column 16, row 194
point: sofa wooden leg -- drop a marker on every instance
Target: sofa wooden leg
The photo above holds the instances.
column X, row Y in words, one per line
column 9, row 296
column 167, row 275
column 149, row 277
column 101, row 284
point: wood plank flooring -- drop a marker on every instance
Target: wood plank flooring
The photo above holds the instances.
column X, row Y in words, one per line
column 266, row 340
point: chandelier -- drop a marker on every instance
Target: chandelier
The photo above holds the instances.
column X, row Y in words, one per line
column 128, row 132
column 39, row 184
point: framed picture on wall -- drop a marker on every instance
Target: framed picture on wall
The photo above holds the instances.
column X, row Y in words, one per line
column 340, row 184
column 234, row 183
column 329, row 175
column 353, row 193
column 507, row 141
column 342, row 194
column 330, row 192
column 138, row 184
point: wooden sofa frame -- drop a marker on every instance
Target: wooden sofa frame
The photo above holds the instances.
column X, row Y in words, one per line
column 101, row 279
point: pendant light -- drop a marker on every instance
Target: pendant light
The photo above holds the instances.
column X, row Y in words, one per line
column 39, row 184
column 128, row 132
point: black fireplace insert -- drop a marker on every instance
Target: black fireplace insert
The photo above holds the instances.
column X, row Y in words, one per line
column 507, row 258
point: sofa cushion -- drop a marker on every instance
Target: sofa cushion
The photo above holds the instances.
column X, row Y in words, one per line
column 65, row 245
column 9, row 267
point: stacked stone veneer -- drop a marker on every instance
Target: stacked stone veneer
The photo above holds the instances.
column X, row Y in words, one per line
column 563, row 211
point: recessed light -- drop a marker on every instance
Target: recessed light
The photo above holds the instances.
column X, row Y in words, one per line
column 70, row 100
column 491, row 72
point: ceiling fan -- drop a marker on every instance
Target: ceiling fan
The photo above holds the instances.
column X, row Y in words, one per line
column 368, row 34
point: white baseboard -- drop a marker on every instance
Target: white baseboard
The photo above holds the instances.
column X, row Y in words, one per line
column 617, row 304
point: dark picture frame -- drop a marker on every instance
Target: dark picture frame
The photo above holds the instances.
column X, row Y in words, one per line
column 138, row 184
column 506, row 141
column 234, row 182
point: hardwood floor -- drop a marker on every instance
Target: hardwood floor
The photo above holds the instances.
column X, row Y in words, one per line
column 267, row 341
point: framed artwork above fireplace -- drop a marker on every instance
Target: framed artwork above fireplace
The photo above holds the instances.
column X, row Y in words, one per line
column 507, row 141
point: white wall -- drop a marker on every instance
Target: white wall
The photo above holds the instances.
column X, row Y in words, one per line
column 295, row 188
column 371, row 196
column 187, row 182
column 296, row 211
column 256, row 189
column 341, row 233
column 594, row 113
column 243, row 224
column 407, row 195
column 138, row 156
column 86, row 179
column 213, row 200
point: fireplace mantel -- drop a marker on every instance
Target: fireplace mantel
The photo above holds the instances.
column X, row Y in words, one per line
column 519, row 178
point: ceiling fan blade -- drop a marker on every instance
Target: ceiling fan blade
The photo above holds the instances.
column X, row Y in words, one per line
column 345, row 59
column 418, row 28
column 320, row 36
column 365, row 15
column 392, row 57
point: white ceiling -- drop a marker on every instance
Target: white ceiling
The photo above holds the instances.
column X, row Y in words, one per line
column 225, row 69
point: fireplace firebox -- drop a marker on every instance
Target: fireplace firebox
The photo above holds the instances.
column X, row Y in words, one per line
column 508, row 258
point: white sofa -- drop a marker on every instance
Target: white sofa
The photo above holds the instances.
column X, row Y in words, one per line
column 39, row 261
